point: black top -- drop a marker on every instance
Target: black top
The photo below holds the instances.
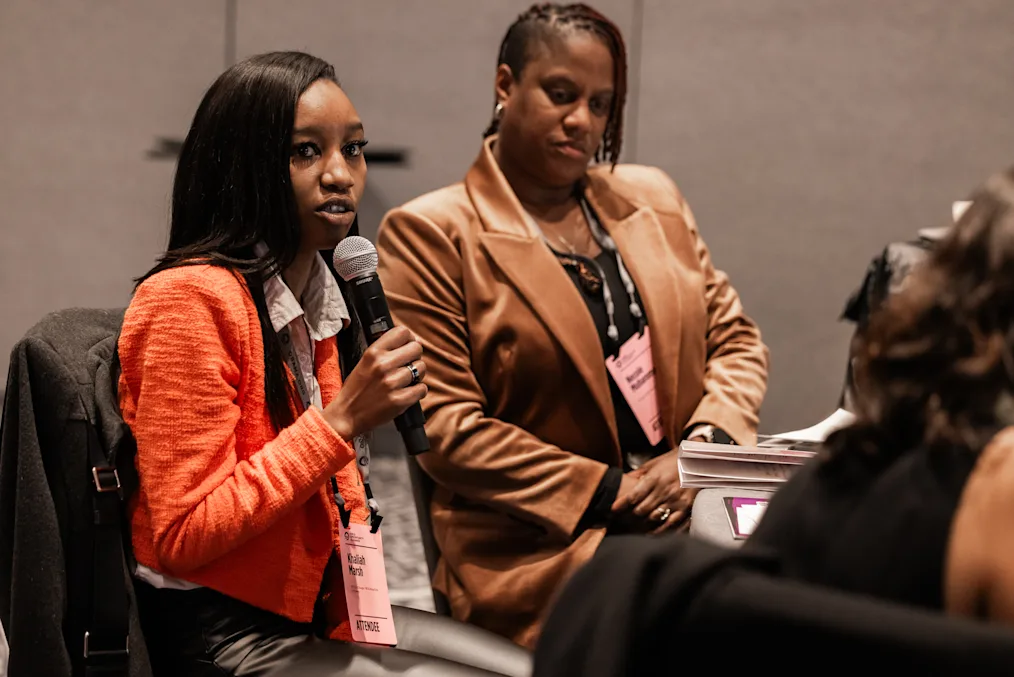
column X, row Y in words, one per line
column 584, row 274
column 639, row 601
column 632, row 437
column 634, row 445
column 878, row 531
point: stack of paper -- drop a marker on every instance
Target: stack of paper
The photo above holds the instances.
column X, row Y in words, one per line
column 765, row 467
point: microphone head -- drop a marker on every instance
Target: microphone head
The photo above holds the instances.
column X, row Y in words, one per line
column 355, row 256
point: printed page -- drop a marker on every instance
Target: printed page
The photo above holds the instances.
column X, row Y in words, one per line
column 758, row 472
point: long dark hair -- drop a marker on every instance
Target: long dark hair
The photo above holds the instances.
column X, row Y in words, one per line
column 935, row 366
column 543, row 19
column 233, row 189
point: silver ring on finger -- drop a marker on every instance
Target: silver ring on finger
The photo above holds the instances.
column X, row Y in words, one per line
column 663, row 513
column 415, row 374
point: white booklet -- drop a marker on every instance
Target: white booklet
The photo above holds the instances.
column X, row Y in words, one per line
column 764, row 467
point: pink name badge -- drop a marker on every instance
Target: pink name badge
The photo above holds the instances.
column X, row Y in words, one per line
column 634, row 372
column 362, row 559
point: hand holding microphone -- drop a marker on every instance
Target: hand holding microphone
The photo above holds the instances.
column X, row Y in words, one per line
column 381, row 387
column 386, row 383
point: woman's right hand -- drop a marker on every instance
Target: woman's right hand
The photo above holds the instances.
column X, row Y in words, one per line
column 380, row 387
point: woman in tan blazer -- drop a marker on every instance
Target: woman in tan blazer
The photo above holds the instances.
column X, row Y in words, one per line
column 520, row 282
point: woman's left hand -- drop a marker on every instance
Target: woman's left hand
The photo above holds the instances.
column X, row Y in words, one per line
column 657, row 497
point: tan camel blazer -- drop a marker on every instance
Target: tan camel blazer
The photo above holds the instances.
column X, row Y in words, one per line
column 519, row 410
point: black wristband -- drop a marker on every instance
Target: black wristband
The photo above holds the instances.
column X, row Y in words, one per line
column 600, row 508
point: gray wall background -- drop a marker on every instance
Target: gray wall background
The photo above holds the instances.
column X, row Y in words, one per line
column 805, row 133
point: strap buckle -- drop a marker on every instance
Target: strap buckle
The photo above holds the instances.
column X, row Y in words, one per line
column 89, row 653
column 106, row 479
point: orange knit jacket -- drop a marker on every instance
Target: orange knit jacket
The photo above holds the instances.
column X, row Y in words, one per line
column 224, row 501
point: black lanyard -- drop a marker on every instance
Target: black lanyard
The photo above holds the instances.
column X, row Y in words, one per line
column 360, row 443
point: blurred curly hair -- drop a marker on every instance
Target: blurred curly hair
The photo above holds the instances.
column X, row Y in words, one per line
column 935, row 365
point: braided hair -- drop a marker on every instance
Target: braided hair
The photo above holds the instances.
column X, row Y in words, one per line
column 542, row 19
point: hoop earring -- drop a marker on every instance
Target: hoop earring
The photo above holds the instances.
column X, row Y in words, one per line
column 498, row 111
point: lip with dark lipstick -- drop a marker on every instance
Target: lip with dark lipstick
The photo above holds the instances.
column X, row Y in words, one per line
column 338, row 210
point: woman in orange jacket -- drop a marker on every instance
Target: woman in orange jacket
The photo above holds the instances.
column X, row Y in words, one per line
column 233, row 353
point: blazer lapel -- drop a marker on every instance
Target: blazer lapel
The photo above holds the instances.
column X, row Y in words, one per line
column 537, row 276
column 657, row 273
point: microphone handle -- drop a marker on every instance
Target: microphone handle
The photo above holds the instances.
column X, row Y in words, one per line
column 371, row 307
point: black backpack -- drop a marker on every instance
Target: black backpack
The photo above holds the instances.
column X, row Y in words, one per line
column 66, row 471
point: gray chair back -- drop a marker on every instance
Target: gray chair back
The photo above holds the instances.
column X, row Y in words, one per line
column 422, row 492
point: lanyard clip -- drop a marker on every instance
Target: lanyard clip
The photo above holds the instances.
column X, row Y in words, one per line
column 344, row 514
column 375, row 519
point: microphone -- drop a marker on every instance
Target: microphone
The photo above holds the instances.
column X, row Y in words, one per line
column 355, row 260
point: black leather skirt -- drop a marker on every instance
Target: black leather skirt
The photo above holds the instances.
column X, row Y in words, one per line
column 203, row 633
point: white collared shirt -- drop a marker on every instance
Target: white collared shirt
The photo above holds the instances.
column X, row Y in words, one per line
column 322, row 315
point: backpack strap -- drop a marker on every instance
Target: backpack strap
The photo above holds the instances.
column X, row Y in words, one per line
column 107, row 637
column 106, row 641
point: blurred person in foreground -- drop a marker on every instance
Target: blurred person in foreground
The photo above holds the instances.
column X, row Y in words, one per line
column 935, row 374
column 575, row 328
column 908, row 505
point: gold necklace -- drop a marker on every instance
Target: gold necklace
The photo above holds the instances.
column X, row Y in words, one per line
column 569, row 246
